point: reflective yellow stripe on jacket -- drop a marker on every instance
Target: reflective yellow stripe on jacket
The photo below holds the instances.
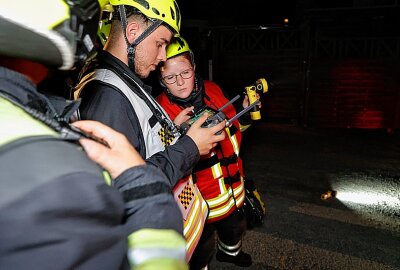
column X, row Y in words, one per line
column 194, row 224
column 194, row 211
column 156, row 249
column 221, row 205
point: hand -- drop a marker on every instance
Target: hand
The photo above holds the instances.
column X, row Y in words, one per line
column 206, row 138
column 119, row 157
column 183, row 116
column 246, row 104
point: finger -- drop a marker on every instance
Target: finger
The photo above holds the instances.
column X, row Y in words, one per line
column 99, row 130
column 201, row 120
column 92, row 127
column 93, row 149
column 218, row 127
column 189, row 109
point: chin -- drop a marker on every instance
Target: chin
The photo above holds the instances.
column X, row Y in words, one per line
column 183, row 96
column 142, row 73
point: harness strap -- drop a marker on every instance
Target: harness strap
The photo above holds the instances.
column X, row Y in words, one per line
column 233, row 179
column 229, row 160
column 209, row 162
column 233, row 130
column 206, row 163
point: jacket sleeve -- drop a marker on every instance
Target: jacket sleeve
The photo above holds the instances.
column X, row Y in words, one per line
column 106, row 104
column 178, row 160
column 154, row 221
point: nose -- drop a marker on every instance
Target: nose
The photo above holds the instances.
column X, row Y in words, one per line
column 179, row 80
column 162, row 54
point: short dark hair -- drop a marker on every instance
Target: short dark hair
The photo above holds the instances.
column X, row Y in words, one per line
column 132, row 14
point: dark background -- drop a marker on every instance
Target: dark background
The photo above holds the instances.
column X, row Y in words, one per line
column 335, row 64
column 330, row 121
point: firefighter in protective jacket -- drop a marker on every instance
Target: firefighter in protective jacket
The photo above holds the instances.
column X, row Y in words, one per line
column 218, row 175
column 56, row 209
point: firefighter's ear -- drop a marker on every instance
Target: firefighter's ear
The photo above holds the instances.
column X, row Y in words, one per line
column 132, row 31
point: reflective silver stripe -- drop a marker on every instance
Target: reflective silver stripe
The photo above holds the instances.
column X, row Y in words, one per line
column 228, row 252
column 152, row 140
column 225, row 246
column 141, row 255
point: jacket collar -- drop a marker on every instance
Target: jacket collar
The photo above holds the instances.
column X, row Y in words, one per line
column 106, row 60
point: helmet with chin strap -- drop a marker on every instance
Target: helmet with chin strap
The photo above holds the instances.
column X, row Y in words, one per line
column 60, row 38
column 177, row 47
column 158, row 12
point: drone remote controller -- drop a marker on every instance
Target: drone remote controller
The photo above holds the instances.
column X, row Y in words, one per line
column 216, row 117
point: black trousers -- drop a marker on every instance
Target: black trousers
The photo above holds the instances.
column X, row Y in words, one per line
column 229, row 230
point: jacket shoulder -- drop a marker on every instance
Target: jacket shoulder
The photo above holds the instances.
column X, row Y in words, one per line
column 40, row 161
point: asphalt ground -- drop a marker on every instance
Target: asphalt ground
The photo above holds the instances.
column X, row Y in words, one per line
column 292, row 167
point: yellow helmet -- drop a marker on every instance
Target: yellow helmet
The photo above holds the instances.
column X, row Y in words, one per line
column 53, row 32
column 166, row 11
column 177, row 46
column 105, row 23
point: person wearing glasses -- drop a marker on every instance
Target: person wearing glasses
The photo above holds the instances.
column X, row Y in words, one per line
column 219, row 174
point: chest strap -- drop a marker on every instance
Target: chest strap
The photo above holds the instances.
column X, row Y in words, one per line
column 232, row 130
column 209, row 162
column 233, row 179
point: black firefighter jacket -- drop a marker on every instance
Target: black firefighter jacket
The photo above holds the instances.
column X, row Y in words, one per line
column 56, row 211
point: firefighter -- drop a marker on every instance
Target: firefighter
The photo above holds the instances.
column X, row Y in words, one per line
column 56, row 209
column 218, row 175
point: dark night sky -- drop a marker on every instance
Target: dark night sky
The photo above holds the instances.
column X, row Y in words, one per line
column 258, row 12
column 249, row 12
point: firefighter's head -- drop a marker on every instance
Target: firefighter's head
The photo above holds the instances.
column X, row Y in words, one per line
column 143, row 29
column 178, row 71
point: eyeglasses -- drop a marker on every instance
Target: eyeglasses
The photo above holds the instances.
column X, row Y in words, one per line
column 186, row 74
